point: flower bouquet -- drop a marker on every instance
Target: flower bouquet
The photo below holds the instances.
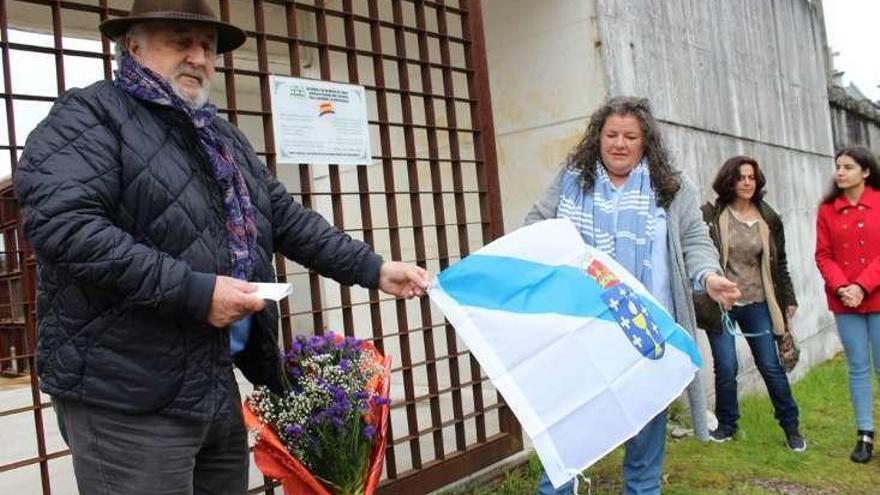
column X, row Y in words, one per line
column 326, row 435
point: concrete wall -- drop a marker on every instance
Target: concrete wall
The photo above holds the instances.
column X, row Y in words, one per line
column 730, row 78
column 854, row 122
column 546, row 76
column 724, row 78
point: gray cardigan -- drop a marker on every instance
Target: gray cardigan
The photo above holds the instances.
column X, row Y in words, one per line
column 691, row 253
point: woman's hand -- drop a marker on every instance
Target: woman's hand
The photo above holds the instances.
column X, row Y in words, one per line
column 722, row 290
column 851, row 295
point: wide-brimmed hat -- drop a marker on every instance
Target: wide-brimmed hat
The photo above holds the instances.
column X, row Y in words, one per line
column 229, row 37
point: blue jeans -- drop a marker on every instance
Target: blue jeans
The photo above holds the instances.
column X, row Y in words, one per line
column 642, row 462
column 860, row 335
column 752, row 318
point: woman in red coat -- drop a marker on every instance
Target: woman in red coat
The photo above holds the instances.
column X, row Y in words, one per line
column 848, row 256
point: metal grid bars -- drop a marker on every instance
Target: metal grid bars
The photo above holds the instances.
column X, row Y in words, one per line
column 430, row 195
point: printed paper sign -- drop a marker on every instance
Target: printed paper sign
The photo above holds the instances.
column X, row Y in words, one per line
column 319, row 122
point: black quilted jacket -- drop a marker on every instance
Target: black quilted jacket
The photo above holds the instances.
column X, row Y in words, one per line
column 127, row 223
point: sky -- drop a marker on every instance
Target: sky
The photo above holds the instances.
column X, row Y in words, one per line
column 853, row 28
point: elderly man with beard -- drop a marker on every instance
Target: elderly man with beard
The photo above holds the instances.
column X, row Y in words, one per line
column 149, row 216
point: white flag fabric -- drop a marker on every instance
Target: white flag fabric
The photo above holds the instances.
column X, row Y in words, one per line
column 582, row 353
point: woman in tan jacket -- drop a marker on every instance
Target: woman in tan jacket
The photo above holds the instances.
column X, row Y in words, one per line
column 750, row 239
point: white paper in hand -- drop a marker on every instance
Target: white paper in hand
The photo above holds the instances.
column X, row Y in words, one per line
column 272, row 292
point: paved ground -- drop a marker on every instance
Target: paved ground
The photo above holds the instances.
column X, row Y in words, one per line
column 13, row 383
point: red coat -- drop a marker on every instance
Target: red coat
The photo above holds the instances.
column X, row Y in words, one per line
column 848, row 249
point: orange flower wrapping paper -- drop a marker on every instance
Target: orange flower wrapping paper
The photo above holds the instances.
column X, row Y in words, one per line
column 275, row 462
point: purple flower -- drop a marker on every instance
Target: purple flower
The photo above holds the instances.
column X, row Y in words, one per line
column 341, row 405
column 294, row 430
column 341, row 410
column 369, row 432
column 318, row 418
column 337, row 392
column 351, row 347
column 315, row 344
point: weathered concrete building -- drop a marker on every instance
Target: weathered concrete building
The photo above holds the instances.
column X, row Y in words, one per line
column 724, row 78
column 854, row 118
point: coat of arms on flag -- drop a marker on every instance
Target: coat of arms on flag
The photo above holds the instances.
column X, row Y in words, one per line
column 630, row 311
column 582, row 353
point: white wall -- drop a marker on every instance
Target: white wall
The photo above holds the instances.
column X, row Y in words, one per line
column 546, row 78
column 729, row 78
column 724, row 78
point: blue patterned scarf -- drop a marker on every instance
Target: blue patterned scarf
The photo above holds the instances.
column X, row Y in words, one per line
column 618, row 222
column 144, row 84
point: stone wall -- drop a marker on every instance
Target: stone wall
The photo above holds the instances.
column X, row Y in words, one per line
column 853, row 121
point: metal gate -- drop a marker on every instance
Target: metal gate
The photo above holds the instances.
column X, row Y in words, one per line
column 431, row 195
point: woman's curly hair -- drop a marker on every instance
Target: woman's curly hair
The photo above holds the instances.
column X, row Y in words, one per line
column 664, row 179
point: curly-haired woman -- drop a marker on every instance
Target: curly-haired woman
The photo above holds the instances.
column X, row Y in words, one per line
column 621, row 192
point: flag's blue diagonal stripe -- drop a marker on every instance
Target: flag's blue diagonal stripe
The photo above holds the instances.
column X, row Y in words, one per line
column 519, row 286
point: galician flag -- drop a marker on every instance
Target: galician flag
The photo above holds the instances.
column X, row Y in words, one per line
column 582, row 353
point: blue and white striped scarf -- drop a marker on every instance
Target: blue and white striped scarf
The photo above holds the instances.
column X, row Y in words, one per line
column 619, row 222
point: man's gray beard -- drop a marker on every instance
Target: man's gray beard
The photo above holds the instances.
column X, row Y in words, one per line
column 201, row 98
column 204, row 92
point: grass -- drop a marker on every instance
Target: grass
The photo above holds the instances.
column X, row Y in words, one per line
column 757, row 462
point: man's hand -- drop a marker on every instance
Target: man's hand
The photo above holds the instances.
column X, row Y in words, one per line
column 403, row 280
column 722, row 290
column 851, row 295
column 790, row 311
column 232, row 300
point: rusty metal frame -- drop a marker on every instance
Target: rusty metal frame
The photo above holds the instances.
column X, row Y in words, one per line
column 457, row 28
